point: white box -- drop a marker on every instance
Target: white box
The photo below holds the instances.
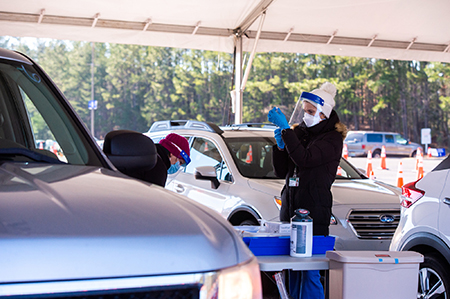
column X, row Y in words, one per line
column 373, row 274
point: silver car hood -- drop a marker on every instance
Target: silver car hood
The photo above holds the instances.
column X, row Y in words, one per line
column 345, row 191
column 77, row 222
column 365, row 191
column 269, row 186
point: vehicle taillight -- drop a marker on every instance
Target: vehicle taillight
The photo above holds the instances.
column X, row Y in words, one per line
column 363, row 146
column 411, row 194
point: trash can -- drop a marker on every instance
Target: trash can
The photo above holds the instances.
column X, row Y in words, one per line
column 373, row 274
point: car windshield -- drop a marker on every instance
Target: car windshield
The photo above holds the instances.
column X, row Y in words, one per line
column 348, row 171
column 34, row 124
column 253, row 158
column 354, row 138
column 401, row 140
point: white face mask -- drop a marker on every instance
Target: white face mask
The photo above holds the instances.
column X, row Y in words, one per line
column 310, row 120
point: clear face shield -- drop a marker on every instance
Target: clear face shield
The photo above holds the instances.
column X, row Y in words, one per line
column 307, row 109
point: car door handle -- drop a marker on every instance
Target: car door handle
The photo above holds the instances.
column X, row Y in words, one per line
column 447, row 200
column 179, row 188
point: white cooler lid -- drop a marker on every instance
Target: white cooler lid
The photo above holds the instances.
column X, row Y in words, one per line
column 375, row 257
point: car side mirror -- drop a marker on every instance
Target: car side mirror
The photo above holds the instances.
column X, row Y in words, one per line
column 130, row 151
column 207, row 173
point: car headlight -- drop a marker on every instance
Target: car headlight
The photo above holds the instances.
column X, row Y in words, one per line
column 239, row 282
column 277, row 200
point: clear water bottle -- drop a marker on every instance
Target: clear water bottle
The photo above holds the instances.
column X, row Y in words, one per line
column 301, row 234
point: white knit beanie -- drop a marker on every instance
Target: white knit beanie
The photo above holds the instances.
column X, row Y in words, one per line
column 326, row 92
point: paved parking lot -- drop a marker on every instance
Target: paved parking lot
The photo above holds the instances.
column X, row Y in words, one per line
column 389, row 175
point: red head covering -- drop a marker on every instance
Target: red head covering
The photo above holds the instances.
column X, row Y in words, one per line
column 175, row 143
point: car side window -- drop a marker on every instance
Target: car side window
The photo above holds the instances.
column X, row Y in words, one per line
column 389, row 138
column 205, row 153
column 374, row 138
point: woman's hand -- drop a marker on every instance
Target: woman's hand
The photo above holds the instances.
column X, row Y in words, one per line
column 277, row 117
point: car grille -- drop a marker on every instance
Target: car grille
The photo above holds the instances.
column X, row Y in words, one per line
column 374, row 224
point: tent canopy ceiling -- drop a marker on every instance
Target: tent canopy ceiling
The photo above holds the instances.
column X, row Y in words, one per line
column 391, row 29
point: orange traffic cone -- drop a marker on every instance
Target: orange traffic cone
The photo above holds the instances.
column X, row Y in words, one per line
column 369, row 163
column 249, row 155
column 418, row 154
column 345, row 152
column 41, row 145
column 383, row 157
column 429, row 152
column 400, row 175
column 372, row 175
column 420, row 168
column 339, row 171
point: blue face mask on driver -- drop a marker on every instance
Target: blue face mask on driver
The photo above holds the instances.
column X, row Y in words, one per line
column 174, row 168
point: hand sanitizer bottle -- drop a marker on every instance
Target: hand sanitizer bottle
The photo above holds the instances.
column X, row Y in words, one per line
column 301, row 234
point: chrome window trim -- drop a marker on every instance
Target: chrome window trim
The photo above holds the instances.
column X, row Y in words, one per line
column 16, row 60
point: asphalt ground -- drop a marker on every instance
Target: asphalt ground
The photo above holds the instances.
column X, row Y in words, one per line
column 390, row 174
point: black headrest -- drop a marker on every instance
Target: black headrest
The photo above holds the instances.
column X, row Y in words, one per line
column 130, row 150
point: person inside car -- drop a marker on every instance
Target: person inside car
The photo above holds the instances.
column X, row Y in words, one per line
column 307, row 156
column 173, row 153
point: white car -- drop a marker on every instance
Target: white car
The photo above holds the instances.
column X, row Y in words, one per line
column 425, row 228
column 231, row 172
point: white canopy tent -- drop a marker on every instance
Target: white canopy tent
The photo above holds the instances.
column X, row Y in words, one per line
column 390, row 29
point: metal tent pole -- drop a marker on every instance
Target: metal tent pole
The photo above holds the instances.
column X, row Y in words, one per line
column 238, row 81
column 92, row 90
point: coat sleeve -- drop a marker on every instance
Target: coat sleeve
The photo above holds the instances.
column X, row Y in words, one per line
column 320, row 151
column 279, row 162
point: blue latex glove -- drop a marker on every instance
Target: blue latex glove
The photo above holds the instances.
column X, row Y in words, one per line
column 278, row 138
column 277, row 117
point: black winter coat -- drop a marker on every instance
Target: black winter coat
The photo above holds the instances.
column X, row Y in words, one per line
column 314, row 153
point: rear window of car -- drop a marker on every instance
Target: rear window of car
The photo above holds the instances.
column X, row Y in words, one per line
column 374, row 138
column 354, row 137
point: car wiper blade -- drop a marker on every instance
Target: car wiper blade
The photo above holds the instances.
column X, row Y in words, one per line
column 35, row 156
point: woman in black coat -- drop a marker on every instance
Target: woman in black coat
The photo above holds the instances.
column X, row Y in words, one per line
column 313, row 154
column 307, row 156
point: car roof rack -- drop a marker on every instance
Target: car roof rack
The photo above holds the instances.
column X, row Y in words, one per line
column 184, row 124
column 254, row 125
